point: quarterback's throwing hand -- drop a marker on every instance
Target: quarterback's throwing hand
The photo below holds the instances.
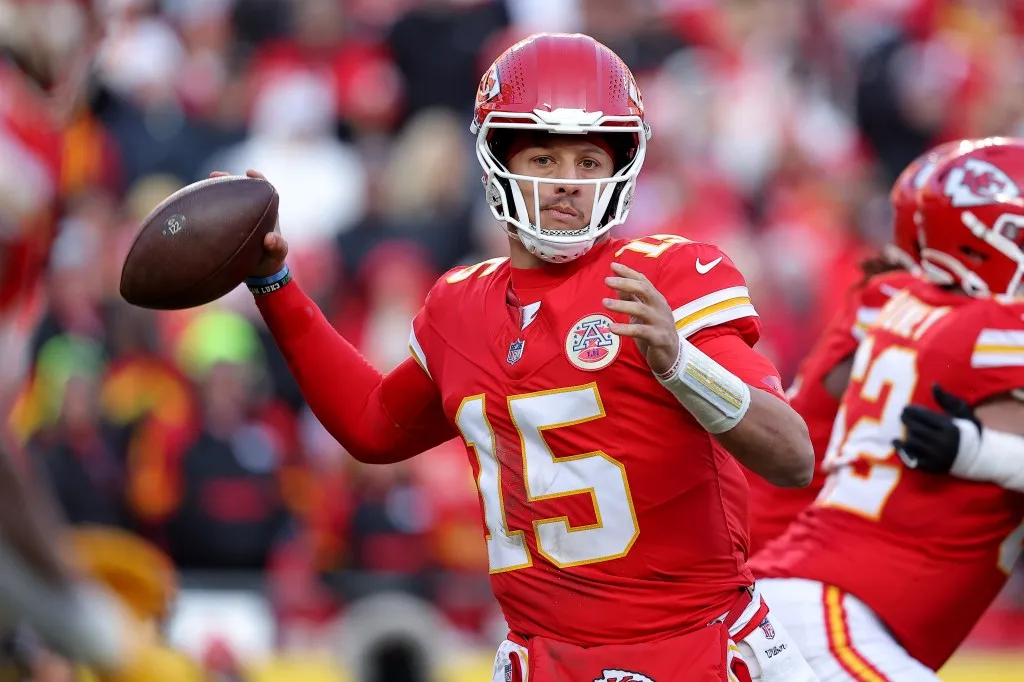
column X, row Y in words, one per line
column 650, row 318
column 275, row 248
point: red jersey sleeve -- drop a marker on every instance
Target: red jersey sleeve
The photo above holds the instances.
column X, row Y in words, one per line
column 424, row 345
column 705, row 290
column 421, row 329
column 377, row 418
column 729, row 350
column 710, row 304
column 997, row 354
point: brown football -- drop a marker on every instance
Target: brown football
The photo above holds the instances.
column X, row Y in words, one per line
column 200, row 243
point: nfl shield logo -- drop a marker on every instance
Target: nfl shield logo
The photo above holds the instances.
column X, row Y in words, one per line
column 515, row 351
column 767, row 629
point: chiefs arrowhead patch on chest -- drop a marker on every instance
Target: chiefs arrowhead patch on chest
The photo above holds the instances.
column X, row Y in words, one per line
column 590, row 344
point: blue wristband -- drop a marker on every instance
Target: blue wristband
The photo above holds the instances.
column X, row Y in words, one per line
column 266, row 281
column 261, row 286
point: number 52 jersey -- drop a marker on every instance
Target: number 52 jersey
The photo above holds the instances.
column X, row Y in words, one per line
column 610, row 515
column 927, row 553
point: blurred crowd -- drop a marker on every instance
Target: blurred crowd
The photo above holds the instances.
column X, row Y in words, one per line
column 778, row 127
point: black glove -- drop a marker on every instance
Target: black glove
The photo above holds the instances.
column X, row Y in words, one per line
column 932, row 441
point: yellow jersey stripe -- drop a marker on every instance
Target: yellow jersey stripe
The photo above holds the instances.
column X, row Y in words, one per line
column 998, row 349
column 711, row 310
column 839, row 640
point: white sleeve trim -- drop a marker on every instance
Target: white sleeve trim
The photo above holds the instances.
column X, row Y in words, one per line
column 713, row 309
column 991, row 455
column 998, row 348
column 417, row 352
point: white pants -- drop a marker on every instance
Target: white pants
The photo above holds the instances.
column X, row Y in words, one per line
column 770, row 653
column 839, row 635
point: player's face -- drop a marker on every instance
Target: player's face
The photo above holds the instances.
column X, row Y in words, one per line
column 562, row 205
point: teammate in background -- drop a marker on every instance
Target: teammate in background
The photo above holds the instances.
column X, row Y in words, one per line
column 886, row 574
column 825, row 372
column 604, row 388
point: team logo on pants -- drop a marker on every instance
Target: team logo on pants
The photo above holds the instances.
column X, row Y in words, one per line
column 590, row 344
column 622, row 676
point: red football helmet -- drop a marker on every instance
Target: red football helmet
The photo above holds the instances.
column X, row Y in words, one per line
column 905, row 248
column 971, row 216
column 564, row 84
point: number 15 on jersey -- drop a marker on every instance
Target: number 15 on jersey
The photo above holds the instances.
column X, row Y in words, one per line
column 549, row 476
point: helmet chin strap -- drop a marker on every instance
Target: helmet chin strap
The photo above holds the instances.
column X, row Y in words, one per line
column 553, row 252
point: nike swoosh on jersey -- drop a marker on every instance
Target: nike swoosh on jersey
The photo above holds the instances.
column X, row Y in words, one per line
column 706, row 268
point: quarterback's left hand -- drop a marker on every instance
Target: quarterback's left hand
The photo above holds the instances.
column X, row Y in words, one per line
column 650, row 318
column 934, row 440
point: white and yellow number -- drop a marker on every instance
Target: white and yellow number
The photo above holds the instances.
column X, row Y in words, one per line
column 483, row 269
column 870, row 439
column 548, row 476
column 644, row 245
column 506, row 550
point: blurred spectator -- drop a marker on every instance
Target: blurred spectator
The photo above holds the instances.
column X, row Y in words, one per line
column 437, row 45
column 78, row 453
column 231, row 510
column 363, row 81
column 420, row 195
column 321, row 180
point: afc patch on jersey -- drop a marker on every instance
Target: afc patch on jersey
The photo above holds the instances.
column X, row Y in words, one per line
column 622, row 676
column 590, row 344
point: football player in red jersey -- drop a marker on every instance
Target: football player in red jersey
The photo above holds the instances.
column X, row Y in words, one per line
column 604, row 388
column 887, row 572
column 825, row 372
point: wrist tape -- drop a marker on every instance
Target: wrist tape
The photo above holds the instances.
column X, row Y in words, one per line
column 717, row 398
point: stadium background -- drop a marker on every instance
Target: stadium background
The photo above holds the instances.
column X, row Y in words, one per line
column 778, row 126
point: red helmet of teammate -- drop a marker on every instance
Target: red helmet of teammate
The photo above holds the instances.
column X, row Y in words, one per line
column 905, row 248
column 564, row 84
column 971, row 216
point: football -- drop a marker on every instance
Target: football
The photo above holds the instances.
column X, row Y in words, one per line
column 200, row 243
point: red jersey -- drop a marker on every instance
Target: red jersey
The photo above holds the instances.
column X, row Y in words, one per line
column 611, row 515
column 773, row 508
column 927, row 553
column 29, row 139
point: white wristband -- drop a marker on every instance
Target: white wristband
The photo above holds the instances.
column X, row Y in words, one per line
column 996, row 457
column 715, row 397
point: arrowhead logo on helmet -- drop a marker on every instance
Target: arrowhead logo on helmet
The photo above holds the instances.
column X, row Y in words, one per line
column 971, row 218
column 490, row 86
column 978, row 182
